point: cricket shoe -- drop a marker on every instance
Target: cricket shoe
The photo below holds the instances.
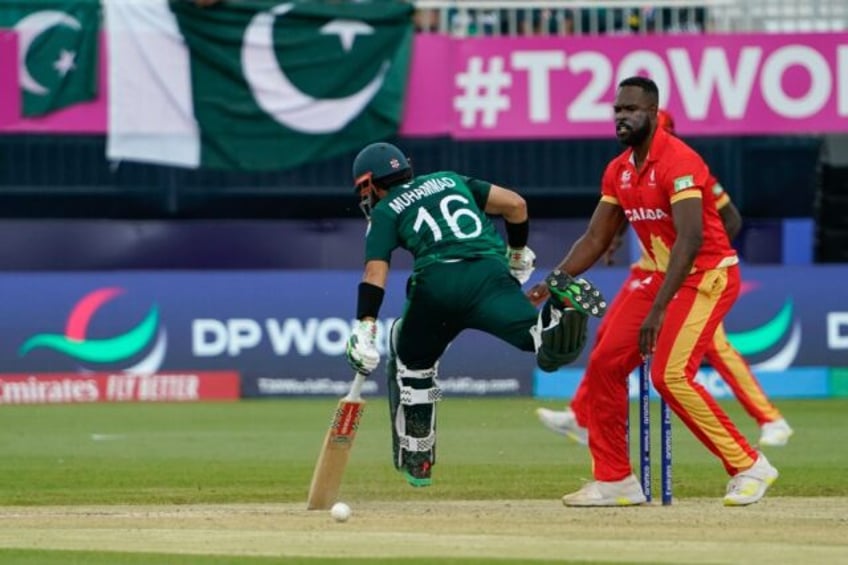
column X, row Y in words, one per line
column 565, row 423
column 775, row 434
column 626, row 492
column 579, row 294
column 417, row 468
column 748, row 486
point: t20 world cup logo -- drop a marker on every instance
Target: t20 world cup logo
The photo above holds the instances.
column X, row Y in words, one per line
column 140, row 350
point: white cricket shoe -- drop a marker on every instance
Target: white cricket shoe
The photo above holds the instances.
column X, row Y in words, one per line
column 775, row 434
column 626, row 492
column 749, row 486
column 563, row 422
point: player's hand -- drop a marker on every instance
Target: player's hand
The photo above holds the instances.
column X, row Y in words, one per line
column 650, row 330
column 538, row 294
column 361, row 350
column 522, row 263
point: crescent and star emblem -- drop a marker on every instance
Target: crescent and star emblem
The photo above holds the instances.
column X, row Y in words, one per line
column 284, row 101
column 28, row 30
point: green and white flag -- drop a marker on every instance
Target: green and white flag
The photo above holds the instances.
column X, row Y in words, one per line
column 253, row 85
column 57, row 51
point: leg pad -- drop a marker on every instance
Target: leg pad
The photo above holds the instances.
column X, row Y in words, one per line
column 412, row 397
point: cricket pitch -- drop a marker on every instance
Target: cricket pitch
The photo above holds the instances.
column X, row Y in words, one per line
column 776, row 530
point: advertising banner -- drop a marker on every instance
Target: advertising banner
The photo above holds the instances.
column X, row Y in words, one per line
column 284, row 332
column 554, row 87
column 802, row 382
column 66, row 388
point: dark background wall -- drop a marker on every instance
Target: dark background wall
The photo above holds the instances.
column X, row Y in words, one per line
column 64, row 207
column 68, row 176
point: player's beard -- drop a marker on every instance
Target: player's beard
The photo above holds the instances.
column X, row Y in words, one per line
column 633, row 135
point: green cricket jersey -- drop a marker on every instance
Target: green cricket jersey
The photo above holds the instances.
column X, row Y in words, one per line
column 438, row 216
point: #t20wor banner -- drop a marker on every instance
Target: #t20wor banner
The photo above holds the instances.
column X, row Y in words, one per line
column 553, row 87
column 484, row 88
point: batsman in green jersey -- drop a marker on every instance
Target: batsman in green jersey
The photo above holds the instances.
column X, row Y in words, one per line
column 464, row 277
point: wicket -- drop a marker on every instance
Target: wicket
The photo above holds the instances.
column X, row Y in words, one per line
column 645, row 438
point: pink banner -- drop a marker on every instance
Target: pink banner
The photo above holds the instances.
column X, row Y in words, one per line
column 521, row 88
column 9, row 94
column 524, row 88
column 427, row 110
column 88, row 117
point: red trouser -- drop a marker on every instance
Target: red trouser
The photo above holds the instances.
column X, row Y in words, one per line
column 580, row 404
column 720, row 354
column 691, row 320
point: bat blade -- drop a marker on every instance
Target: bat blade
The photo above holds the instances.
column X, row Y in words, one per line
column 335, row 452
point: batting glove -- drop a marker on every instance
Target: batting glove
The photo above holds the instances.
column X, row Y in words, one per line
column 361, row 350
column 522, row 263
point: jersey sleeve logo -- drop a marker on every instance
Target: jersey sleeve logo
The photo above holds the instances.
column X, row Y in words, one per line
column 718, row 189
column 682, row 183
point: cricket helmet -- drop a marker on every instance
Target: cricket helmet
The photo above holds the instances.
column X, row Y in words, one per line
column 378, row 166
column 379, row 161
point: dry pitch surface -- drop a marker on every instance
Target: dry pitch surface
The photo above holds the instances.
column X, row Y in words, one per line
column 775, row 531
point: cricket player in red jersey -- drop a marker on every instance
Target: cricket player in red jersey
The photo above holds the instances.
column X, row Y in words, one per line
column 658, row 185
column 721, row 355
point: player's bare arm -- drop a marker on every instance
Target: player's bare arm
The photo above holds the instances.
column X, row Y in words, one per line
column 688, row 223
column 506, row 203
column 606, row 220
column 732, row 220
column 617, row 240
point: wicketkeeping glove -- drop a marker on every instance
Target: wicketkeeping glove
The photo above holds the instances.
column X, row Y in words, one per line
column 522, row 263
column 579, row 294
column 361, row 350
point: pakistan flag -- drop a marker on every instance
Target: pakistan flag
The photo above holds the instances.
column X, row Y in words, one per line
column 253, row 85
column 57, row 51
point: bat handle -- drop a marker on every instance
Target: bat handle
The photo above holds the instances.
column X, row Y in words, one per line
column 356, row 387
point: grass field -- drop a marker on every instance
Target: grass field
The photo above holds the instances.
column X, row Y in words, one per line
column 226, row 483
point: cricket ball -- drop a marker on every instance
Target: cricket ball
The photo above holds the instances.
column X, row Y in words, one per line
column 340, row 512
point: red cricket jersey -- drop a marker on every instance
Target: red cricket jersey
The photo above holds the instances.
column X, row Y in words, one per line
column 672, row 171
column 720, row 198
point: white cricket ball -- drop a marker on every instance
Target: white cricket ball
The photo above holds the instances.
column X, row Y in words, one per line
column 340, row 512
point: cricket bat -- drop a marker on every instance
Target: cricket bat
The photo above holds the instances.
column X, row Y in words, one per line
column 330, row 468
